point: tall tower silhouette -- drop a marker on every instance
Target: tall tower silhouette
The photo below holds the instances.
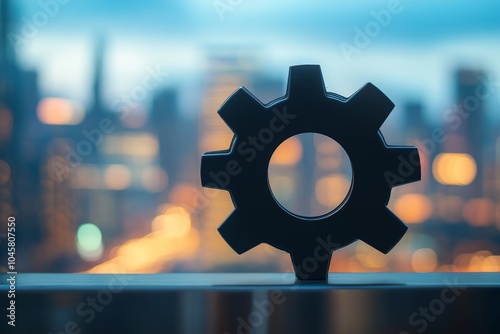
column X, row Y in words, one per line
column 467, row 132
column 166, row 122
column 97, row 85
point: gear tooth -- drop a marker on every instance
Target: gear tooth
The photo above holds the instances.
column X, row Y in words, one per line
column 238, row 108
column 371, row 104
column 385, row 233
column 212, row 163
column 403, row 165
column 236, row 231
column 306, row 82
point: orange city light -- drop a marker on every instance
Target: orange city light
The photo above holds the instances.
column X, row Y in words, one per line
column 288, row 153
column 457, row 169
column 58, row 111
column 413, row 208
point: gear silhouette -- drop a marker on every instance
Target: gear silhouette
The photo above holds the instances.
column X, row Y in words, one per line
column 354, row 123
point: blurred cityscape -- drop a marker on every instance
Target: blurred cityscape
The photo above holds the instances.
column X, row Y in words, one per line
column 104, row 188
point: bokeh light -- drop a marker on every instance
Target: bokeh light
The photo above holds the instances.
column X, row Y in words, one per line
column 424, row 260
column 332, row 189
column 57, row 111
column 454, row 169
column 89, row 242
column 288, row 153
column 413, row 208
column 117, row 177
column 154, row 179
column 174, row 220
column 172, row 239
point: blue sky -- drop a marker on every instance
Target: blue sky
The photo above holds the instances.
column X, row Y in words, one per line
column 413, row 56
column 421, row 21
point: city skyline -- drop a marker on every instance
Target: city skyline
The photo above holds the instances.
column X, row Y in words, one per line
column 175, row 37
column 117, row 187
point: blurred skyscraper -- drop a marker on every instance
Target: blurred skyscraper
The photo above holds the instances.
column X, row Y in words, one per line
column 20, row 158
column 417, row 131
column 174, row 135
column 227, row 70
column 466, row 129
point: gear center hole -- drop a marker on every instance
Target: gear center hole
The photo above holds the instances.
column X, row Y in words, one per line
column 310, row 174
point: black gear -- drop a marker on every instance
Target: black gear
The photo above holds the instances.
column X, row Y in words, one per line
column 354, row 123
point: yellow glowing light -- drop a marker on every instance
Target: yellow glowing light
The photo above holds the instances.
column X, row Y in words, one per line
column 4, row 172
column 332, row 189
column 479, row 211
column 424, row 260
column 107, row 268
column 117, row 177
column 454, row 169
column 168, row 208
column 288, row 153
column 175, row 221
column 135, row 252
column 154, row 179
column 413, row 208
column 57, row 111
column 152, row 253
column 480, row 261
column 491, row 263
